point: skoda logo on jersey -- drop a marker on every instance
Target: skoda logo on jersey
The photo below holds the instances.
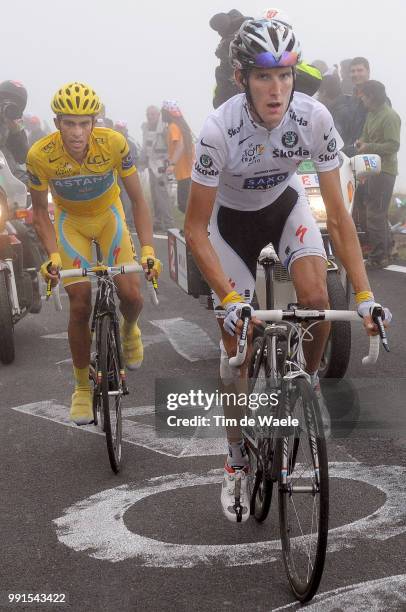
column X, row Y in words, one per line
column 206, row 161
column 290, row 139
column 332, row 145
column 265, row 182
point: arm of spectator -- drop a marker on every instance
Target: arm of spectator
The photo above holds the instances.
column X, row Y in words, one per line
column 391, row 139
column 17, row 144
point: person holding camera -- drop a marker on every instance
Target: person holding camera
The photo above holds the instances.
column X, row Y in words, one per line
column 154, row 156
column 13, row 138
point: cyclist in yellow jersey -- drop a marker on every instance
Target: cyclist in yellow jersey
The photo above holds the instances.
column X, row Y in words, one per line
column 80, row 163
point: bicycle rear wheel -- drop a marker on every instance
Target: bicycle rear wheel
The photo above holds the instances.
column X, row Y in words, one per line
column 111, row 389
column 303, row 489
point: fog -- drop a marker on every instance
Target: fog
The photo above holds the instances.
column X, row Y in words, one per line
column 137, row 54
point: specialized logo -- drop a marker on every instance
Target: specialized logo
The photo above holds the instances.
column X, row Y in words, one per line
column 205, row 171
column 206, row 161
column 116, row 253
column 332, row 145
column 326, row 157
column 252, row 154
column 299, row 152
column 300, row 232
column 127, row 162
column 298, row 120
column 265, row 182
column 290, row 139
column 235, row 130
column 77, row 263
column 204, row 144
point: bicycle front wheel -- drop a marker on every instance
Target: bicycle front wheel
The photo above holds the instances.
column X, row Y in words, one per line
column 303, row 489
column 111, row 389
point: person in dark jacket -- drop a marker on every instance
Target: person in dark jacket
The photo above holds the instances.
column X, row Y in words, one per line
column 380, row 135
column 13, row 138
column 330, row 94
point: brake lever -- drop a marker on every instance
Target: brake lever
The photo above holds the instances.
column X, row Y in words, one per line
column 246, row 318
column 377, row 314
column 150, row 265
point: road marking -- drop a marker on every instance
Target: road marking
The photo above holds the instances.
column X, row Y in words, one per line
column 135, row 432
column 396, row 269
column 95, row 525
column 382, row 594
column 188, row 339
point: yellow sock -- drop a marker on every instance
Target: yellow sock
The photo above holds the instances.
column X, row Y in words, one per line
column 128, row 327
column 81, row 377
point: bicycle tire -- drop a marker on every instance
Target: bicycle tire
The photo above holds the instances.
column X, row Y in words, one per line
column 111, row 382
column 298, row 544
column 7, row 350
column 262, row 485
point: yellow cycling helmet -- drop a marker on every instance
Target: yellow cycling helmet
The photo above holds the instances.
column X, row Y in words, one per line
column 76, row 99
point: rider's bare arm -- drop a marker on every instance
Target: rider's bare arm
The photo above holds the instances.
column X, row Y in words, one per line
column 42, row 222
column 342, row 230
column 200, row 206
column 141, row 212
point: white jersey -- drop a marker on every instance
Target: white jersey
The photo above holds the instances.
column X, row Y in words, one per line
column 252, row 166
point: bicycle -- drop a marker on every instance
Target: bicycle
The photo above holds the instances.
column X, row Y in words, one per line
column 293, row 453
column 107, row 370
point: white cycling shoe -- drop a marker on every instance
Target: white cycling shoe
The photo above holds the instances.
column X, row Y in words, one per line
column 235, row 499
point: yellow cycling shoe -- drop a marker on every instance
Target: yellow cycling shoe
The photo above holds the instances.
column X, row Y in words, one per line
column 133, row 350
column 81, row 410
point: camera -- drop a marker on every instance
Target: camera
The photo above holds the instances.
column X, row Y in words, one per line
column 10, row 110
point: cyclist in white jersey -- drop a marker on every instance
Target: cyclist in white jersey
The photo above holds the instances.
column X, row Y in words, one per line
column 244, row 187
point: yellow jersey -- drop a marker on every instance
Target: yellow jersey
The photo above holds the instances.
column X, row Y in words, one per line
column 83, row 189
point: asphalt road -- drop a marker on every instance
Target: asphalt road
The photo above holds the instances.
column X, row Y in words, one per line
column 153, row 537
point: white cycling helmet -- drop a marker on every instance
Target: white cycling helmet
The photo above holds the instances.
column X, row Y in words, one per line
column 265, row 43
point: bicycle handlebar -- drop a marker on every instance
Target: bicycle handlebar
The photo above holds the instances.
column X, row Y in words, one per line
column 277, row 316
column 83, row 272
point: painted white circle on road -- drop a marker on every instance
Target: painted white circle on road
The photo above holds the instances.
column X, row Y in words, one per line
column 387, row 593
column 96, row 526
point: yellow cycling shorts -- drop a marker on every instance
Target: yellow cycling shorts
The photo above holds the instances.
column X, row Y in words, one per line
column 75, row 234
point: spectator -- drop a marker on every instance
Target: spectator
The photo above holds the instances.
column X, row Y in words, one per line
column 359, row 71
column 13, row 139
column 330, row 94
column 180, row 150
column 121, row 126
column 320, row 65
column 346, row 81
column 102, row 120
column 226, row 25
column 154, row 156
column 33, row 127
column 380, row 135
